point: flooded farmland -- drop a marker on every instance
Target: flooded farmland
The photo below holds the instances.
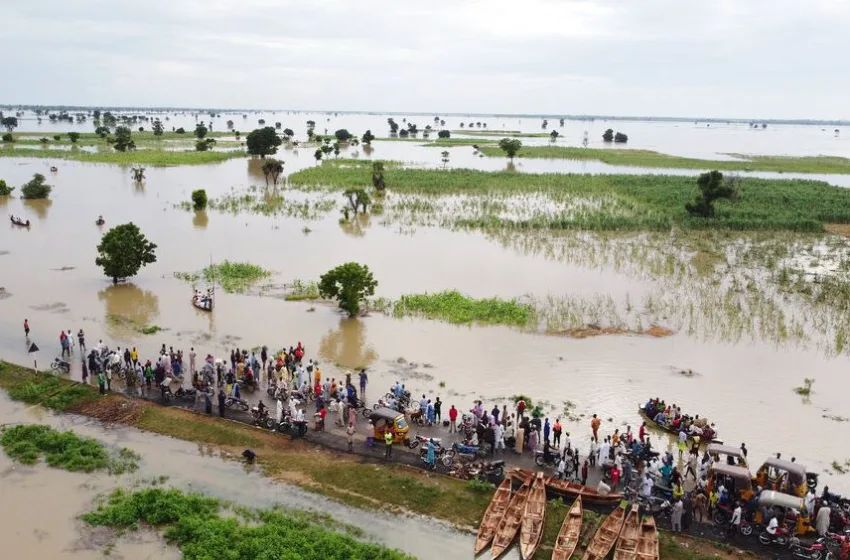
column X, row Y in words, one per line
column 739, row 349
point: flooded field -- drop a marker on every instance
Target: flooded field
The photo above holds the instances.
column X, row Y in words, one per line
column 33, row 531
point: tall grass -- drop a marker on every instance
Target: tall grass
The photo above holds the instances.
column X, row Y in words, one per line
column 634, row 202
column 231, row 276
column 457, row 308
column 149, row 157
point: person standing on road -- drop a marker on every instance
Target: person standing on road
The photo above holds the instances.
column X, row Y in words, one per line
column 735, row 523
column 363, row 380
column 594, row 426
column 547, row 428
column 676, row 516
column 350, row 433
column 192, row 356
column 438, row 404
column 498, row 438
column 66, row 347
column 81, row 339
column 452, row 419
column 221, row 402
column 101, row 382
column 556, row 433
column 388, row 443
column 26, row 328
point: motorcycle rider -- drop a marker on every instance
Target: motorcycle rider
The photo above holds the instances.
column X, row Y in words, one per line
column 735, row 523
column 772, row 526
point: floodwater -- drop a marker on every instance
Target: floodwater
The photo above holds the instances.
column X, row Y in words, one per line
column 49, row 272
column 34, row 531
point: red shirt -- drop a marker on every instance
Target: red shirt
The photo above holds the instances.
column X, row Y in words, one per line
column 323, row 413
column 452, row 414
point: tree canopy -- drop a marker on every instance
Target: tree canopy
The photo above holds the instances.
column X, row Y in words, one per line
column 201, row 130
column 367, row 137
column 123, row 250
column 510, row 146
column 349, row 284
column 9, row 123
column 36, row 188
column 342, row 135
column 263, row 141
column 272, row 168
column 444, row 134
column 712, row 187
column 609, row 135
column 123, row 140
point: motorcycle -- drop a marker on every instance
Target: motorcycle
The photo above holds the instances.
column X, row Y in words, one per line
column 60, row 366
column 464, row 452
column 239, row 404
column 816, row 551
column 492, row 472
column 262, row 418
column 723, row 516
column 420, row 439
column 541, row 461
column 296, row 428
column 181, row 393
column 780, row 537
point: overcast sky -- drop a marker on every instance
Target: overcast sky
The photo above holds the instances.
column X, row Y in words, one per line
column 709, row 58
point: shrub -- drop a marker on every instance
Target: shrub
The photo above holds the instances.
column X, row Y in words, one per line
column 180, row 130
column 199, row 199
column 7, row 137
column 74, row 136
column 444, row 134
column 36, row 188
column 57, row 137
column 5, row 190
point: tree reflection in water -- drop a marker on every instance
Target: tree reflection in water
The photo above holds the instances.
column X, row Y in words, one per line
column 347, row 345
column 356, row 226
column 200, row 220
column 128, row 308
column 38, row 207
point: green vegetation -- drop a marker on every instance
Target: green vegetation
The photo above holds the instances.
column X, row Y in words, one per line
column 123, row 141
column 233, row 277
column 202, row 529
column 44, row 389
column 123, row 250
column 300, row 291
column 150, row 157
column 5, row 190
column 454, row 307
column 268, row 202
column 349, row 284
column 150, row 329
column 604, row 202
column 263, row 141
column 511, row 146
column 647, row 158
column 63, row 450
column 272, row 168
column 199, row 200
column 806, row 389
column 501, row 133
column 712, row 187
column 36, row 188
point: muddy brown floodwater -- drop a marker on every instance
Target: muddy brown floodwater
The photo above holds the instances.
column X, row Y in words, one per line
column 746, row 388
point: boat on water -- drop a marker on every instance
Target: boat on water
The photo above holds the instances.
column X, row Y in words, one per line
column 569, row 534
column 531, row 529
column 204, row 300
column 647, row 548
column 493, row 515
column 605, row 537
column 671, row 430
column 573, row 489
column 19, row 222
column 511, row 520
column 626, row 548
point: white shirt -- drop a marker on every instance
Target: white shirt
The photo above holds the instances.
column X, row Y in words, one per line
column 646, row 487
column 603, row 452
column 736, row 516
column 771, row 527
column 603, row 489
column 562, row 466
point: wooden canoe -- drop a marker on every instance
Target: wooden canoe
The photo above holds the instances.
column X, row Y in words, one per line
column 531, row 529
column 511, row 520
column 648, row 540
column 570, row 533
column 626, row 548
column 493, row 515
column 589, row 495
column 653, row 424
column 605, row 537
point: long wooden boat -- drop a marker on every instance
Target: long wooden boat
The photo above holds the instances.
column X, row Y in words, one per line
column 570, row 533
column 653, row 424
column 19, row 223
column 648, row 540
column 574, row 490
column 493, row 515
column 626, row 548
column 604, row 538
column 531, row 529
column 511, row 520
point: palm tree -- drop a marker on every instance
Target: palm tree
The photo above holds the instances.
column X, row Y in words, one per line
column 273, row 168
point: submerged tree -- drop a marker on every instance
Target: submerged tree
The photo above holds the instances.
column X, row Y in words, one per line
column 621, row 138
column 123, row 250
column 201, row 130
column 123, row 140
column 36, row 188
column 9, row 123
column 378, row 176
column 272, row 168
column 349, row 284
column 73, row 137
column 342, row 135
column 510, row 146
column 554, row 135
column 444, row 134
column 445, row 158
column 358, row 199
column 318, row 155
column 609, row 135
column 199, row 199
column 138, row 174
column 712, row 187
column 263, row 142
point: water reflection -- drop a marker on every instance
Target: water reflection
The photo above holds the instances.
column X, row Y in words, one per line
column 4, row 200
column 346, row 346
column 200, row 220
column 39, row 207
column 128, row 308
column 356, row 226
column 255, row 169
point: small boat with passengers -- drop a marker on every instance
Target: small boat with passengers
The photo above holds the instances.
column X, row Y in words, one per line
column 671, row 420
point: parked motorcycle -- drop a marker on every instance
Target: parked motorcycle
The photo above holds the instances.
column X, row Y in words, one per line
column 262, row 418
column 420, row 439
column 780, row 537
column 723, row 516
column 180, row 393
column 816, row 551
column 60, row 366
column 464, row 452
column 542, row 461
column 239, row 404
column 295, row 428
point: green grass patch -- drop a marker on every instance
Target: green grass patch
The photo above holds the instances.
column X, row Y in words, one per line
column 501, row 133
column 45, row 389
column 648, row 158
column 233, row 277
column 150, row 329
column 302, row 291
column 198, row 429
column 202, row 529
column 268, row 202
column 64, row 450
column 457, row 308
column 149, row 157
column 608, row 202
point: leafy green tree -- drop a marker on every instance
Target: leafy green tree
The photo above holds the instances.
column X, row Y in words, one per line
column 349, row 284
column 5, row 190
column 158, row 129
column 278, row 125
column 230, row 124
column 342, row 135
column 358, row 199
column 608, row 136
column 367, row 137
column 326, row 149
column 123, row 250
column 201, row 130
column 44, row 139
column 57, row 137
column 288, row 133
column 123, row 140
column 318, row 155
column 272, row 168
column 9, row 123
column 263, row 141
column 199, row 199
column 73, row 137
column 393, row 125
column 36, row 188
column 180, row 130
column 138, row 174
column 444, row 134
column 444, row 158
column 511, row 146
column 378, row 176
column 712, row 187
column 204, row 144
column 621, row 138
column 7, row 137
column 336, row 149
column 261, row 122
